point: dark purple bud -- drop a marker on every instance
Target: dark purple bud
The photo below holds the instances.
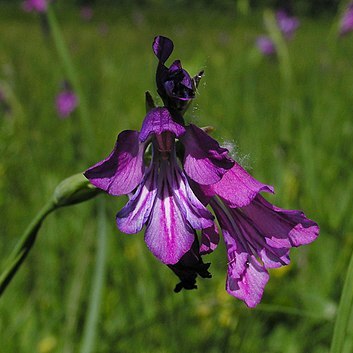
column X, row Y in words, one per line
column 188, row 267
column 162, row 47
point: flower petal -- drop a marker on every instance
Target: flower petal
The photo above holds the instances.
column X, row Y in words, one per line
column 205, row 161
column 159, row 120
column 122, row 171
column 209, row 239
column 195, row 212
column 238, row 188
column 282, row 228
column 246, row 277
column 168, row 234
column 134, row 215
column 162, row 47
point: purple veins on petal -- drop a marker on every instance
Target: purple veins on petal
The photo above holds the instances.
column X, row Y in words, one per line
column 170, row 228
column 282, row 228
column 205, row 161
column 133, row 216
column 162, row 47
column 157, row 121
column 122, row 171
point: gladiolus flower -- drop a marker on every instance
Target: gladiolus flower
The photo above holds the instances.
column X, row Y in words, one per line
column 188, row 171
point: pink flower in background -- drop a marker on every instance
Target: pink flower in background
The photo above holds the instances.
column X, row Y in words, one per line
column 86, row 13
column 287, row 24
column 346, row 24
column 265, row 45
column 66, row 102
column 35, row 5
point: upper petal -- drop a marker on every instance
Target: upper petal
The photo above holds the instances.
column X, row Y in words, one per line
column 238, row 188
column 157, row 121
column 205, row 161
column 162, row 47
column 122, row 170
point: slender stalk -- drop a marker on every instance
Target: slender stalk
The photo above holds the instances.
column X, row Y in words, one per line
column 23, row 247
column 286, row 73
column 341, row 342
column 89, row 335
column 71, row 74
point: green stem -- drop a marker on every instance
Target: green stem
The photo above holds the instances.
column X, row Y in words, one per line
column 340, row 340
column 23, row 247
column 90, row 329
column 71, row 74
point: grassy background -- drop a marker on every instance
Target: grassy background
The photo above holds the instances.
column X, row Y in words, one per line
column 295, row 135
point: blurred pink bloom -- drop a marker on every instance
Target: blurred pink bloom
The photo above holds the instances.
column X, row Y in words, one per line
column 66, row 102
column 86, row 13
column 346, row 24
column 35, row 5
column 287, row 24
column 265, row 45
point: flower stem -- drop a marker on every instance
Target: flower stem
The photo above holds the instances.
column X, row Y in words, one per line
column 71, row 74
column 23, row 247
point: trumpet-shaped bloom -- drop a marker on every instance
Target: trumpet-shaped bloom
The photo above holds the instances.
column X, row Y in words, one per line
column 160, row 195
column 172, row 171
column 258, row 235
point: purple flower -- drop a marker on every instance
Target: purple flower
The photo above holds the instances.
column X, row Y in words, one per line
column 171, row 171
column 66, row 102
column 346, row 24
column 265, row 45
column 35, row 5
column 160, row 195
column 258, row 235
column 287, row 24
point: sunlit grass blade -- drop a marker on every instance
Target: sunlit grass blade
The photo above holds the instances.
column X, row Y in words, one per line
column 90, row 330
column 342, row 341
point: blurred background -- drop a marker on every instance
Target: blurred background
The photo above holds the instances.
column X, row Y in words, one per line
column 285, row 107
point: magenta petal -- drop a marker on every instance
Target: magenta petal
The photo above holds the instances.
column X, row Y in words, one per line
column 209, row 239
column 238, row 188
column 122, row 171
column 246, row 278
column 282, row 228
column 134, row 215
column 159, row 120
column 205, row 161
column 162, row 47
column 194, row 211
column 168, row 234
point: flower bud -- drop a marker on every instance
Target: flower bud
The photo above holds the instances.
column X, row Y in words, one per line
column 74, row 189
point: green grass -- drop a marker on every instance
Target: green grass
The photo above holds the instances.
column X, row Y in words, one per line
column 295, row 137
